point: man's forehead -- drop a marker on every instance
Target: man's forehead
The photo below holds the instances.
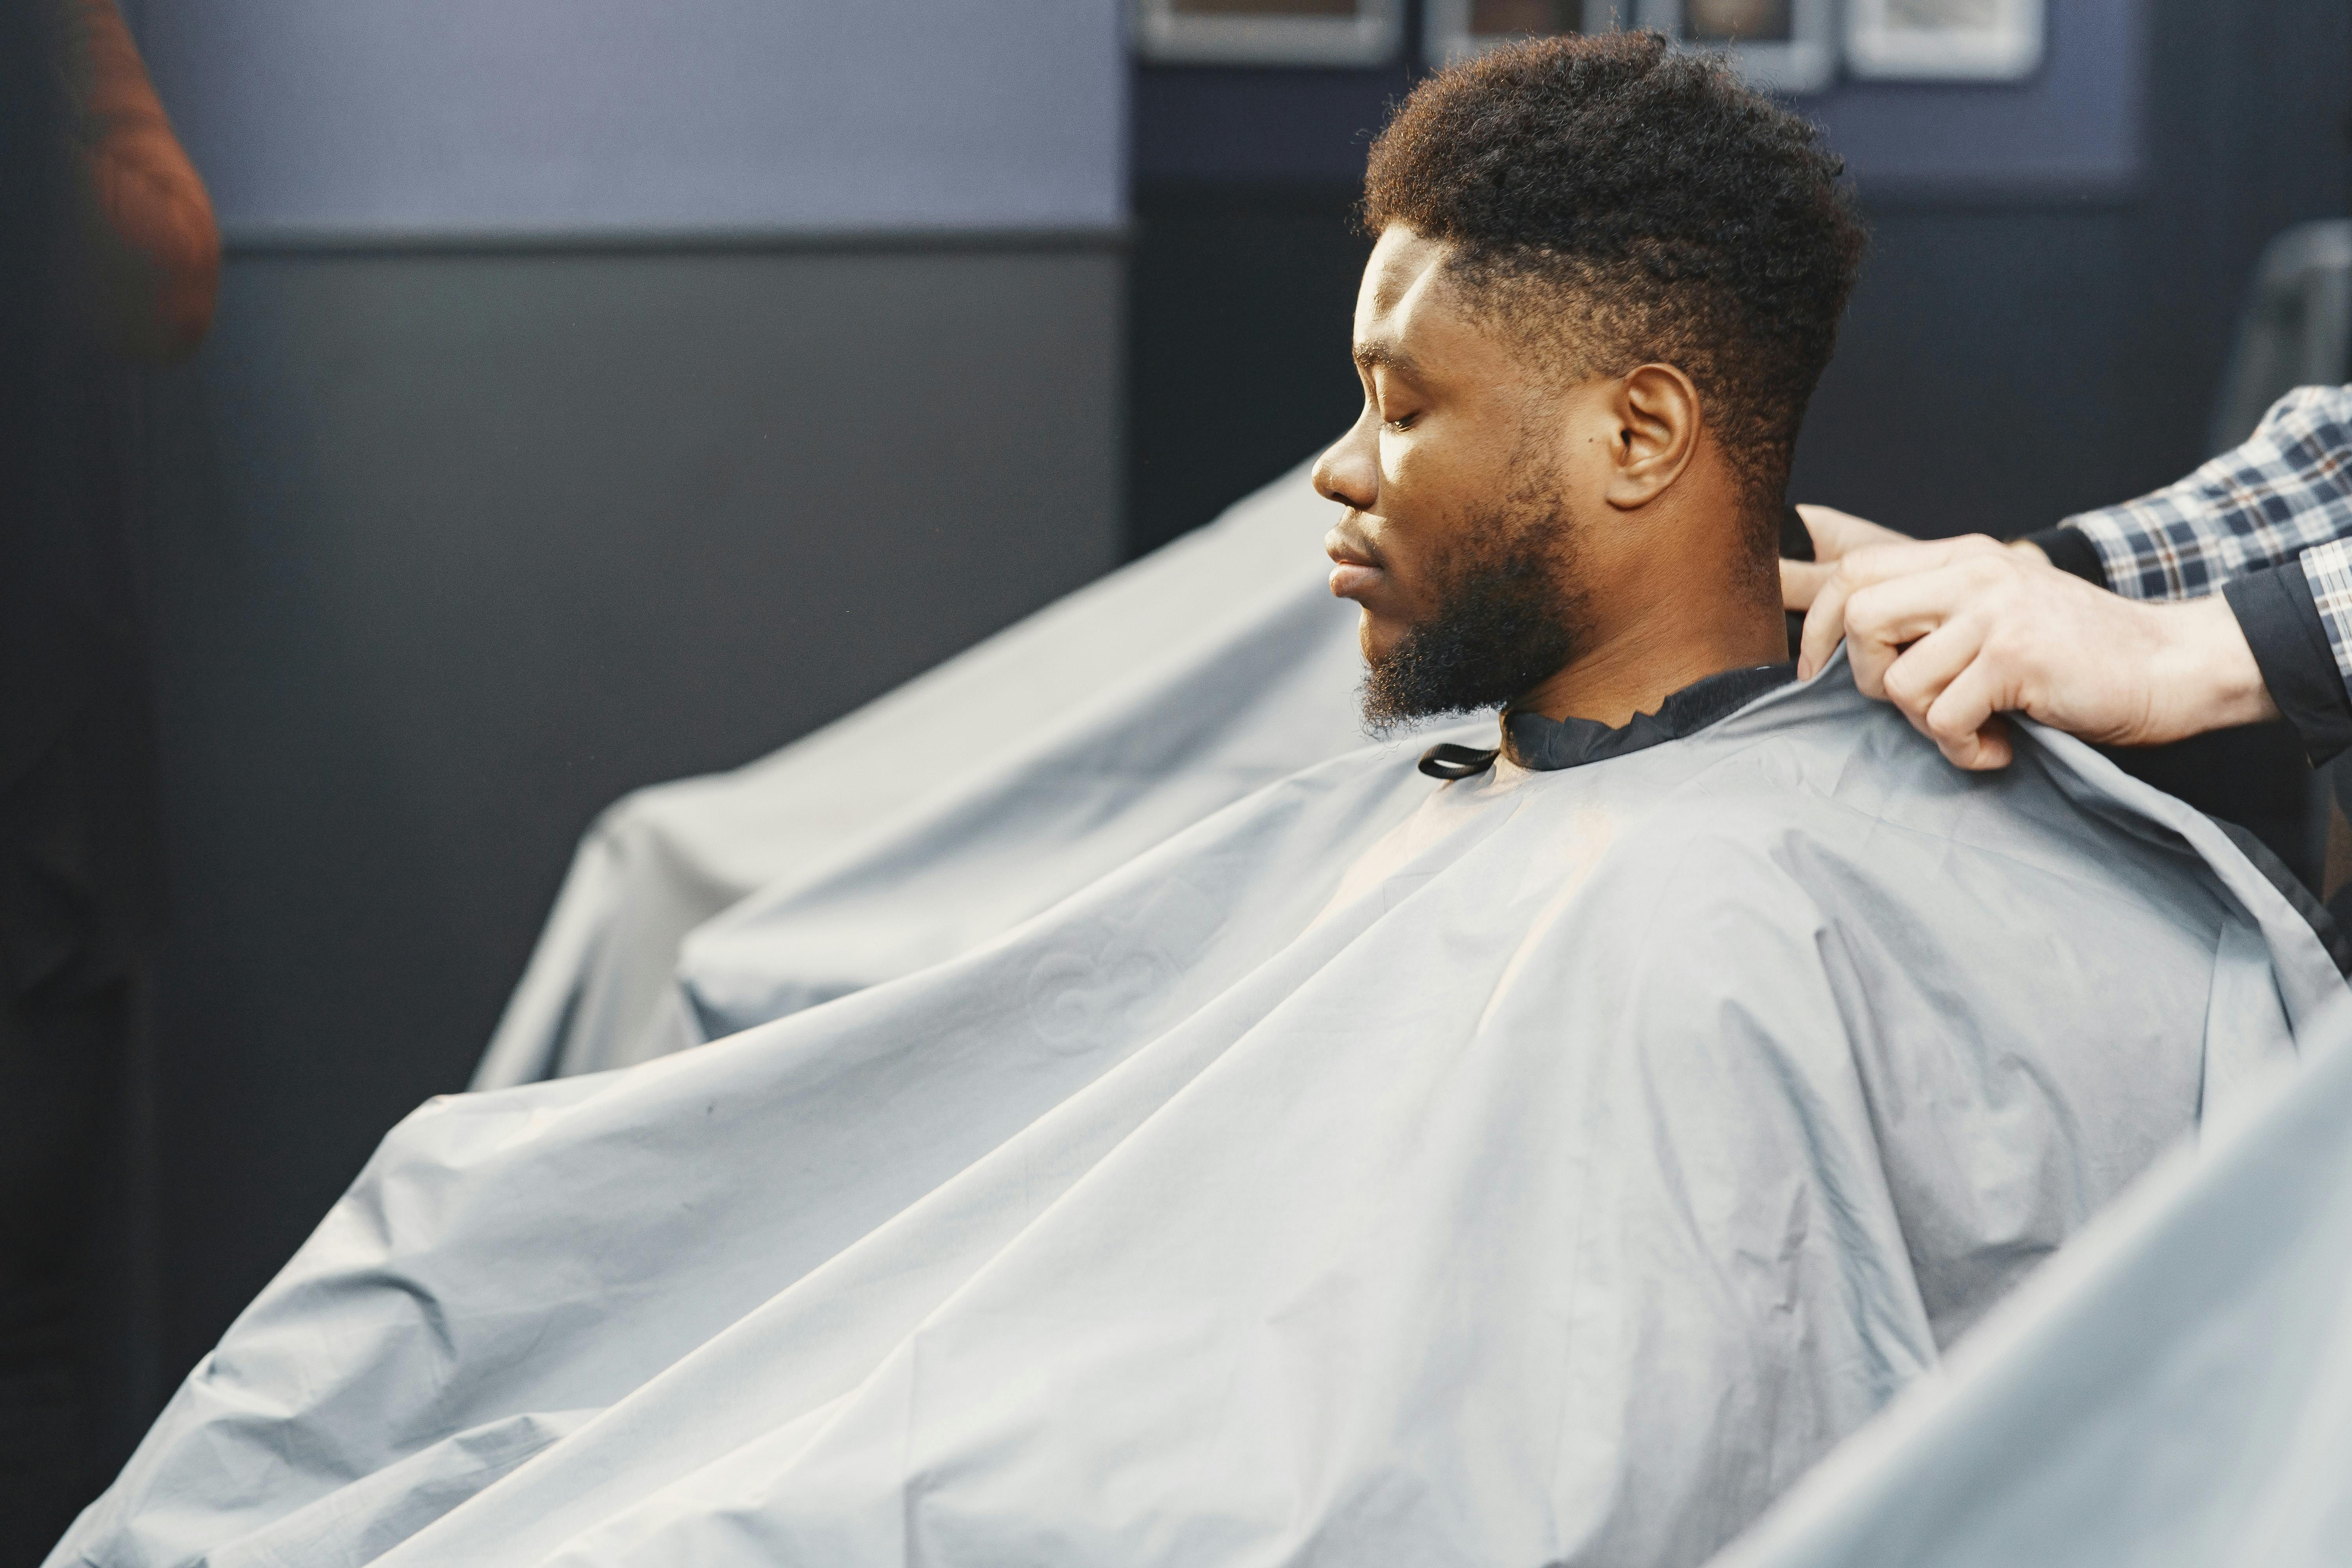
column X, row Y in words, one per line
column 1407, row 317
column 1402, row 269
column 1398, row 281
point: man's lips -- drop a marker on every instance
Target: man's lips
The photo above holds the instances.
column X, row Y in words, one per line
column 1355, row 570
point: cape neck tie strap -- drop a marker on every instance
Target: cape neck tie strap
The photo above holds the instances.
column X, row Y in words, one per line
column 1447, row 760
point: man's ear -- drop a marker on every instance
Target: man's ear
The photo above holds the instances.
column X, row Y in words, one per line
column 1656, row 412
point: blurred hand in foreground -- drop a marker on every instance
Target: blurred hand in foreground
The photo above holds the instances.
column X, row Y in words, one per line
column 1956, row 632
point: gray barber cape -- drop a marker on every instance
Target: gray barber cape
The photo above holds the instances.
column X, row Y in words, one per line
column 954, row 807
column 1544, row 1167
column 2174, row 1391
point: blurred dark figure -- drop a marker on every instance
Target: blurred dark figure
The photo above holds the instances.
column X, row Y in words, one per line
column 107, row 255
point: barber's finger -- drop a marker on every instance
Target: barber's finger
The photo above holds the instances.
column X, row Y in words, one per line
column 1883, row 617
column 1885, row 562
column 1917, row 675
column 1801, row 580
column 1839, row 533
column 1912, row 603
column 1965, row 719
column 1987, row 750
column 1825, row 623
column 1824, row 628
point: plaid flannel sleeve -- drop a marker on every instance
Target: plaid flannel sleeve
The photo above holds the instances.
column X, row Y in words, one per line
column 2329, row 569
column 2289, row 488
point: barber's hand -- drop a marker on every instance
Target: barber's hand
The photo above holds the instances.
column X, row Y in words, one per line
column 1836, row 534
column 1956, row 632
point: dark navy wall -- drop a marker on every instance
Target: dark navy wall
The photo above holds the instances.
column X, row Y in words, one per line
column 451, row 549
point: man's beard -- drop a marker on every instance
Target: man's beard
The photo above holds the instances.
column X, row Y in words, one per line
column 1504, row 620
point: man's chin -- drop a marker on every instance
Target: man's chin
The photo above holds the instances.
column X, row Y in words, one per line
column 1377, row 637
column 1419, row 672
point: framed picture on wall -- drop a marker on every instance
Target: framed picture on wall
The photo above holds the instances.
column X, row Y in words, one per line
column 1456, row 30
column 1269, row 32
column 1946, row 40
column 1782, row 46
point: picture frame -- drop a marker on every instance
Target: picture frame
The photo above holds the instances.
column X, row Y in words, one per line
column 1781, row 45
column 1269, row 32
column 1456, row 30
column 1944, row 40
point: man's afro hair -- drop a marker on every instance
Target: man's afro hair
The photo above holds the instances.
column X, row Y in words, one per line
column 1622, row 202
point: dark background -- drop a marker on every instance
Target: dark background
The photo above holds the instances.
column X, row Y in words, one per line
column 454, row 545
column 451, row 546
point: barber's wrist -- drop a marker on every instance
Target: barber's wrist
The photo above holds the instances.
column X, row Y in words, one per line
column 2206, row 670
column 2280, row 617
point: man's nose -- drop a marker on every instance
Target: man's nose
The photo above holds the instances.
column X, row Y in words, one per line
column 1349, row 470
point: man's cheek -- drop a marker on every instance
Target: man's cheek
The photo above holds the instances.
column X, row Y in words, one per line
column 1404, row 598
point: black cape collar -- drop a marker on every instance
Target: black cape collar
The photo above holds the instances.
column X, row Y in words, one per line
column 1547, row 745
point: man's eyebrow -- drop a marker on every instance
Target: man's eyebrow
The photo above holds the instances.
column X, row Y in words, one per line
column 1369, row 356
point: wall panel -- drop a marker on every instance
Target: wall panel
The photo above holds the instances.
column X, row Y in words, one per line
column 436, row 116
column 451, row 549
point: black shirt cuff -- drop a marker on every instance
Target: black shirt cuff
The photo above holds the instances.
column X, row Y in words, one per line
column 2070, row 550
column 2281, row 624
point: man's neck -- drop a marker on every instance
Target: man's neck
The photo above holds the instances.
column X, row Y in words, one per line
column 1637, row 669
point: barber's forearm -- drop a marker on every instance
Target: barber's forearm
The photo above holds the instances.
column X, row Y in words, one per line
column 2206, row 667
column 2209, row 669
column 2271, row 657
